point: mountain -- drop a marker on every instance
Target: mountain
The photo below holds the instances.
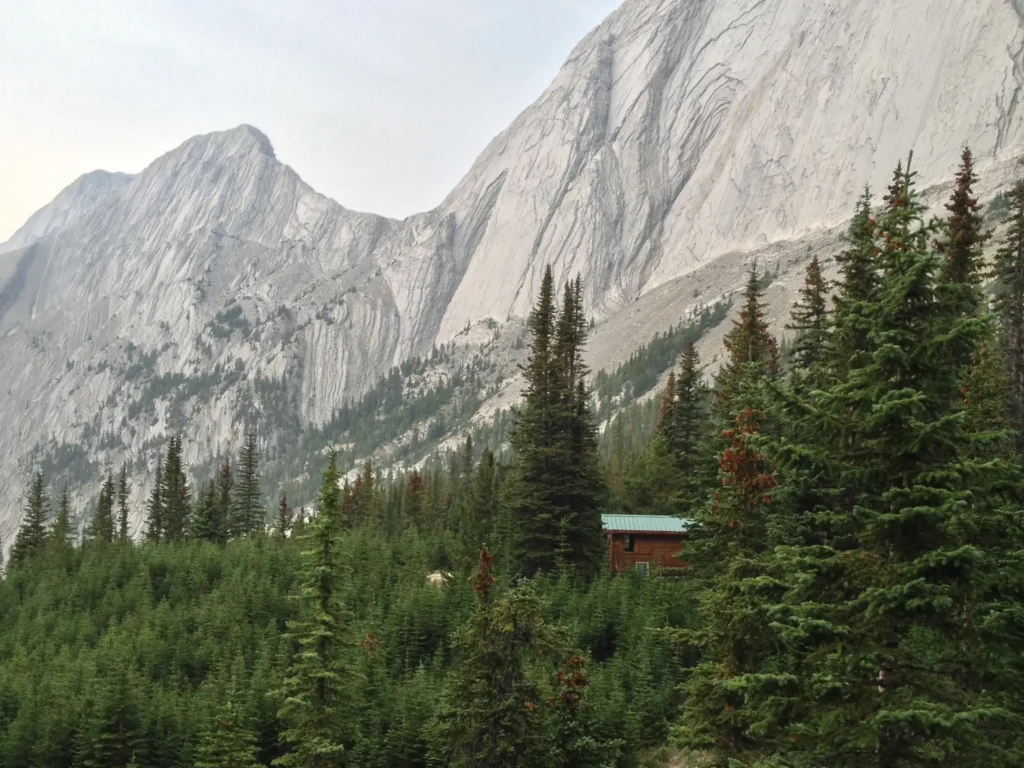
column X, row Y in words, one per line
column 217, row 288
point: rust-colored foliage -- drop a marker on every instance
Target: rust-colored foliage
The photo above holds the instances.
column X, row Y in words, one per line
column 743, row 468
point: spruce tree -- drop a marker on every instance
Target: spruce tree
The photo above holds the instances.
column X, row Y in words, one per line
column 123, row 492
column 206, row 523
column 687, row 439
column 558, row 490
column 61, row 536
column 886, row 605
column 1009, row 305
column 101, row 527
column 284, row 518
column 858, row 282
column 491, row 712
column 155, row 506
column 228, row 741
column 667, row 412
column 32, row 534
column 319, row 706
column 175, row 493
column 810, row 320
column 963, row 236
column 225, row 492
column 751, row 348
column 247, row 513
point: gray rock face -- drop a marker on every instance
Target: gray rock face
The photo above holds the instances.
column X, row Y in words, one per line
column 678, row 132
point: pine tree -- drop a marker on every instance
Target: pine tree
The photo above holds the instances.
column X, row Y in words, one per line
column 155, row 506
column 319, row 706
column 810, row 320
column 247, row 513
column 284, row 518
column 667, row 413
column 111, row 734
column 175, row 493
column 32, row 534
column 123, row 492
column 101, row 527
column 1009, row 305
column 491, row 711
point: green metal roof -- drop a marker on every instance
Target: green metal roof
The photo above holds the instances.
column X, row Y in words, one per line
column 645, row 523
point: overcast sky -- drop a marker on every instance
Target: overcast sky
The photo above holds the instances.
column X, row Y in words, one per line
column 380, row 104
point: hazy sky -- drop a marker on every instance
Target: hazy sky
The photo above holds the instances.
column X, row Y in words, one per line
column 381, row 104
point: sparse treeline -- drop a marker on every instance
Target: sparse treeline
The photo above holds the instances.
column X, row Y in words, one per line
column 853, row 595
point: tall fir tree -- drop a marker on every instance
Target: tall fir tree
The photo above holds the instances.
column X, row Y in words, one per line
column 886, row 607
column 284, row 518
column 61, row 534
column 206, row 523
column 687, row 440
column 32, row 534
column 963, row 236
column 175, row 494
column 810, row 320
column 101, row 527
column 225, row 494
column 750, row 346
column 491, row 711
column 320, row 690
column 247, row 512
column 123, row 493
column 858, row 282
column 155, row 505
column 228, row 741
column 1008, row 271
column 558, row 491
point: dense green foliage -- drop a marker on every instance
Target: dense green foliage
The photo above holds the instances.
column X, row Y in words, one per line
column 853, row 592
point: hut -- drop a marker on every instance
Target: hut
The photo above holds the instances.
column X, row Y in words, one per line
column 644, row 541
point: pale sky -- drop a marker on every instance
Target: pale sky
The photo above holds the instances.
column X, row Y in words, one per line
column 380, row 104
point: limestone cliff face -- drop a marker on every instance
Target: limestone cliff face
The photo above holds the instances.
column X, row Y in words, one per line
column 680, row 130
column 216, row 287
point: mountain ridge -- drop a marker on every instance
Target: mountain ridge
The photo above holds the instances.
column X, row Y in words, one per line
column 216, row 282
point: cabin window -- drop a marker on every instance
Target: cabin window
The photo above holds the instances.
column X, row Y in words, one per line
column 630, row 545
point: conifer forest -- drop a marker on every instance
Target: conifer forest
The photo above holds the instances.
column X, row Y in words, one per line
column 852, row 596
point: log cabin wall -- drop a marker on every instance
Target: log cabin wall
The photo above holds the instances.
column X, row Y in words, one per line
column 656, row 549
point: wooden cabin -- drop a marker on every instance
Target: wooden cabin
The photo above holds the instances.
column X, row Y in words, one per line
column 644, row 541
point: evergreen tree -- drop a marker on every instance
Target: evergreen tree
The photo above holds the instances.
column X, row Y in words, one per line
column 687, row 440
column 667, row 413
column 61, row 536
column 284, row 518
column 206, row 523
column 123, row 492
column 859, row 280
column 491, row 711
column 247, row 513
column 810, row 319
column 155, row 506
column 751, row 348
column 885, row 607
column 225, row 492
column 963, row 237
column 32, row 534
column 1009, row 305
column 228, row 742
column 175, row 494
column 112, row 732
column 558, row 490
column 101, row 526
column 319, row 706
